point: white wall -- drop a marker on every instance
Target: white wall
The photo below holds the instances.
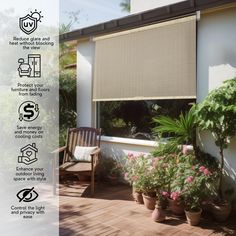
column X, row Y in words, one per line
column 216, row 62
column 144, row 5
column 118, row 147
column 85, row 56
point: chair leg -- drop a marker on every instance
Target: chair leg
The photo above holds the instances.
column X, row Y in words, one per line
column 92, row 184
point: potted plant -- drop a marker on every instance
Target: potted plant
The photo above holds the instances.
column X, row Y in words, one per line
column 148, row 180
column 175, row 174
column 132, row 170
column 217, row 114
column 148, row 189
column 195, row 190
column 157, row 179
column 159, row 215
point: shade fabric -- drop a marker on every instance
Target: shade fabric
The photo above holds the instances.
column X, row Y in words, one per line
column 153, row 62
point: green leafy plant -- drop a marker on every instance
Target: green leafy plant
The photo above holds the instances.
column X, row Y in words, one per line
column 181, row 130
column 217, row 114
column 67, row 100
column 145, row 173
column 165, row 149
column 198, row 185
column 67, row 82
column 177, row 167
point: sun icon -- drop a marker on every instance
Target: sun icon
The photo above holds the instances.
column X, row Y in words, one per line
column 37, row 15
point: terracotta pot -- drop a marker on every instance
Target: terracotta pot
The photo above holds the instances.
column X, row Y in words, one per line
column 164, row 203
column 149, row 202
column 193, row 218
column 138, row 197
column 158, row 215
column 177, row 209
column 221, row 211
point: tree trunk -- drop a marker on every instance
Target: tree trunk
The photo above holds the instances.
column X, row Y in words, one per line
column 221, row 173
column 195, row 147
column 195, row 150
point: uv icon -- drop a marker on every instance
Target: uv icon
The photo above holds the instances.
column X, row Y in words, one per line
column 29, row 23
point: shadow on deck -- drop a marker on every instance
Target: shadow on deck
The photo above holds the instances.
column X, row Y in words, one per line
column 113, row 212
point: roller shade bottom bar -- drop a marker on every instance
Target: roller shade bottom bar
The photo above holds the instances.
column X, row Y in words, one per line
column 143, row 98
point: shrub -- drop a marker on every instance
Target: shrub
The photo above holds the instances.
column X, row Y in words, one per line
column 217, row 114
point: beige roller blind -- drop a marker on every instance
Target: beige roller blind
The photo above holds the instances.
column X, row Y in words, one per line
column 152, row 62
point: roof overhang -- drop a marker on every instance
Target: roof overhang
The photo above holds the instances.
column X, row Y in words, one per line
column 144, row 18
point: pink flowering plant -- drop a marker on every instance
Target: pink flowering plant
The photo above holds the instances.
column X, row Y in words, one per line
column 133, row 169
column 187, row 180
column 197, row 186
column 145, row 173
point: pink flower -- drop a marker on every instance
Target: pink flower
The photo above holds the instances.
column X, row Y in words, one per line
column 165, row 194
column 155, row 161
column 206, row 172
column 134, row 178
column 174, row 195
column 126, row 175
column 189, row 179
column 185, row 149
column 202, row 168
column 130, row 155
column 193, row 167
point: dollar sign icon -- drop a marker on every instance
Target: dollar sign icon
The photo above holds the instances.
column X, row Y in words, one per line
column 28, row 111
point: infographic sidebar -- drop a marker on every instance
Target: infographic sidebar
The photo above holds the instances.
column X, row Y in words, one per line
column 29, row 100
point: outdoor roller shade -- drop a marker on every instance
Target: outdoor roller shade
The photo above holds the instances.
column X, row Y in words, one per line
column 153, row 62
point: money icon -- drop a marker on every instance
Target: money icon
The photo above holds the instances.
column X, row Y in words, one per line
column 28, row 111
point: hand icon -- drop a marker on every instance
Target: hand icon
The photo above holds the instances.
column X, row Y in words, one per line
column 26, row 160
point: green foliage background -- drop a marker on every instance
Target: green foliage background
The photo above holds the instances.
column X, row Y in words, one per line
column 67, row 86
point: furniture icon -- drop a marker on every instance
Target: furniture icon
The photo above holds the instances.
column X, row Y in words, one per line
column 31, row 68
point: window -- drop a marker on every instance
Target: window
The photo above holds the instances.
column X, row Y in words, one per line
column 133, row 119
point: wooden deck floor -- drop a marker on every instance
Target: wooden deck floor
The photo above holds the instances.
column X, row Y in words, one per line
column 113, row 212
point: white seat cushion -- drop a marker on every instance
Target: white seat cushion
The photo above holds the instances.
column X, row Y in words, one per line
column 83, row 153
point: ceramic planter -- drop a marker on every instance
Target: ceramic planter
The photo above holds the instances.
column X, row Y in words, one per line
column 138, row 197
column 158, row 215
column 177, row 209
column 149, row 201
column 193, row 217
column 222, row 211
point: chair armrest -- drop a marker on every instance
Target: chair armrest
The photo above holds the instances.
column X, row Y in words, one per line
column 58, row 150
column 95, row 157
column 96, row 152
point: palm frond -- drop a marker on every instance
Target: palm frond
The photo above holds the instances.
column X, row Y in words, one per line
column 182, row 129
